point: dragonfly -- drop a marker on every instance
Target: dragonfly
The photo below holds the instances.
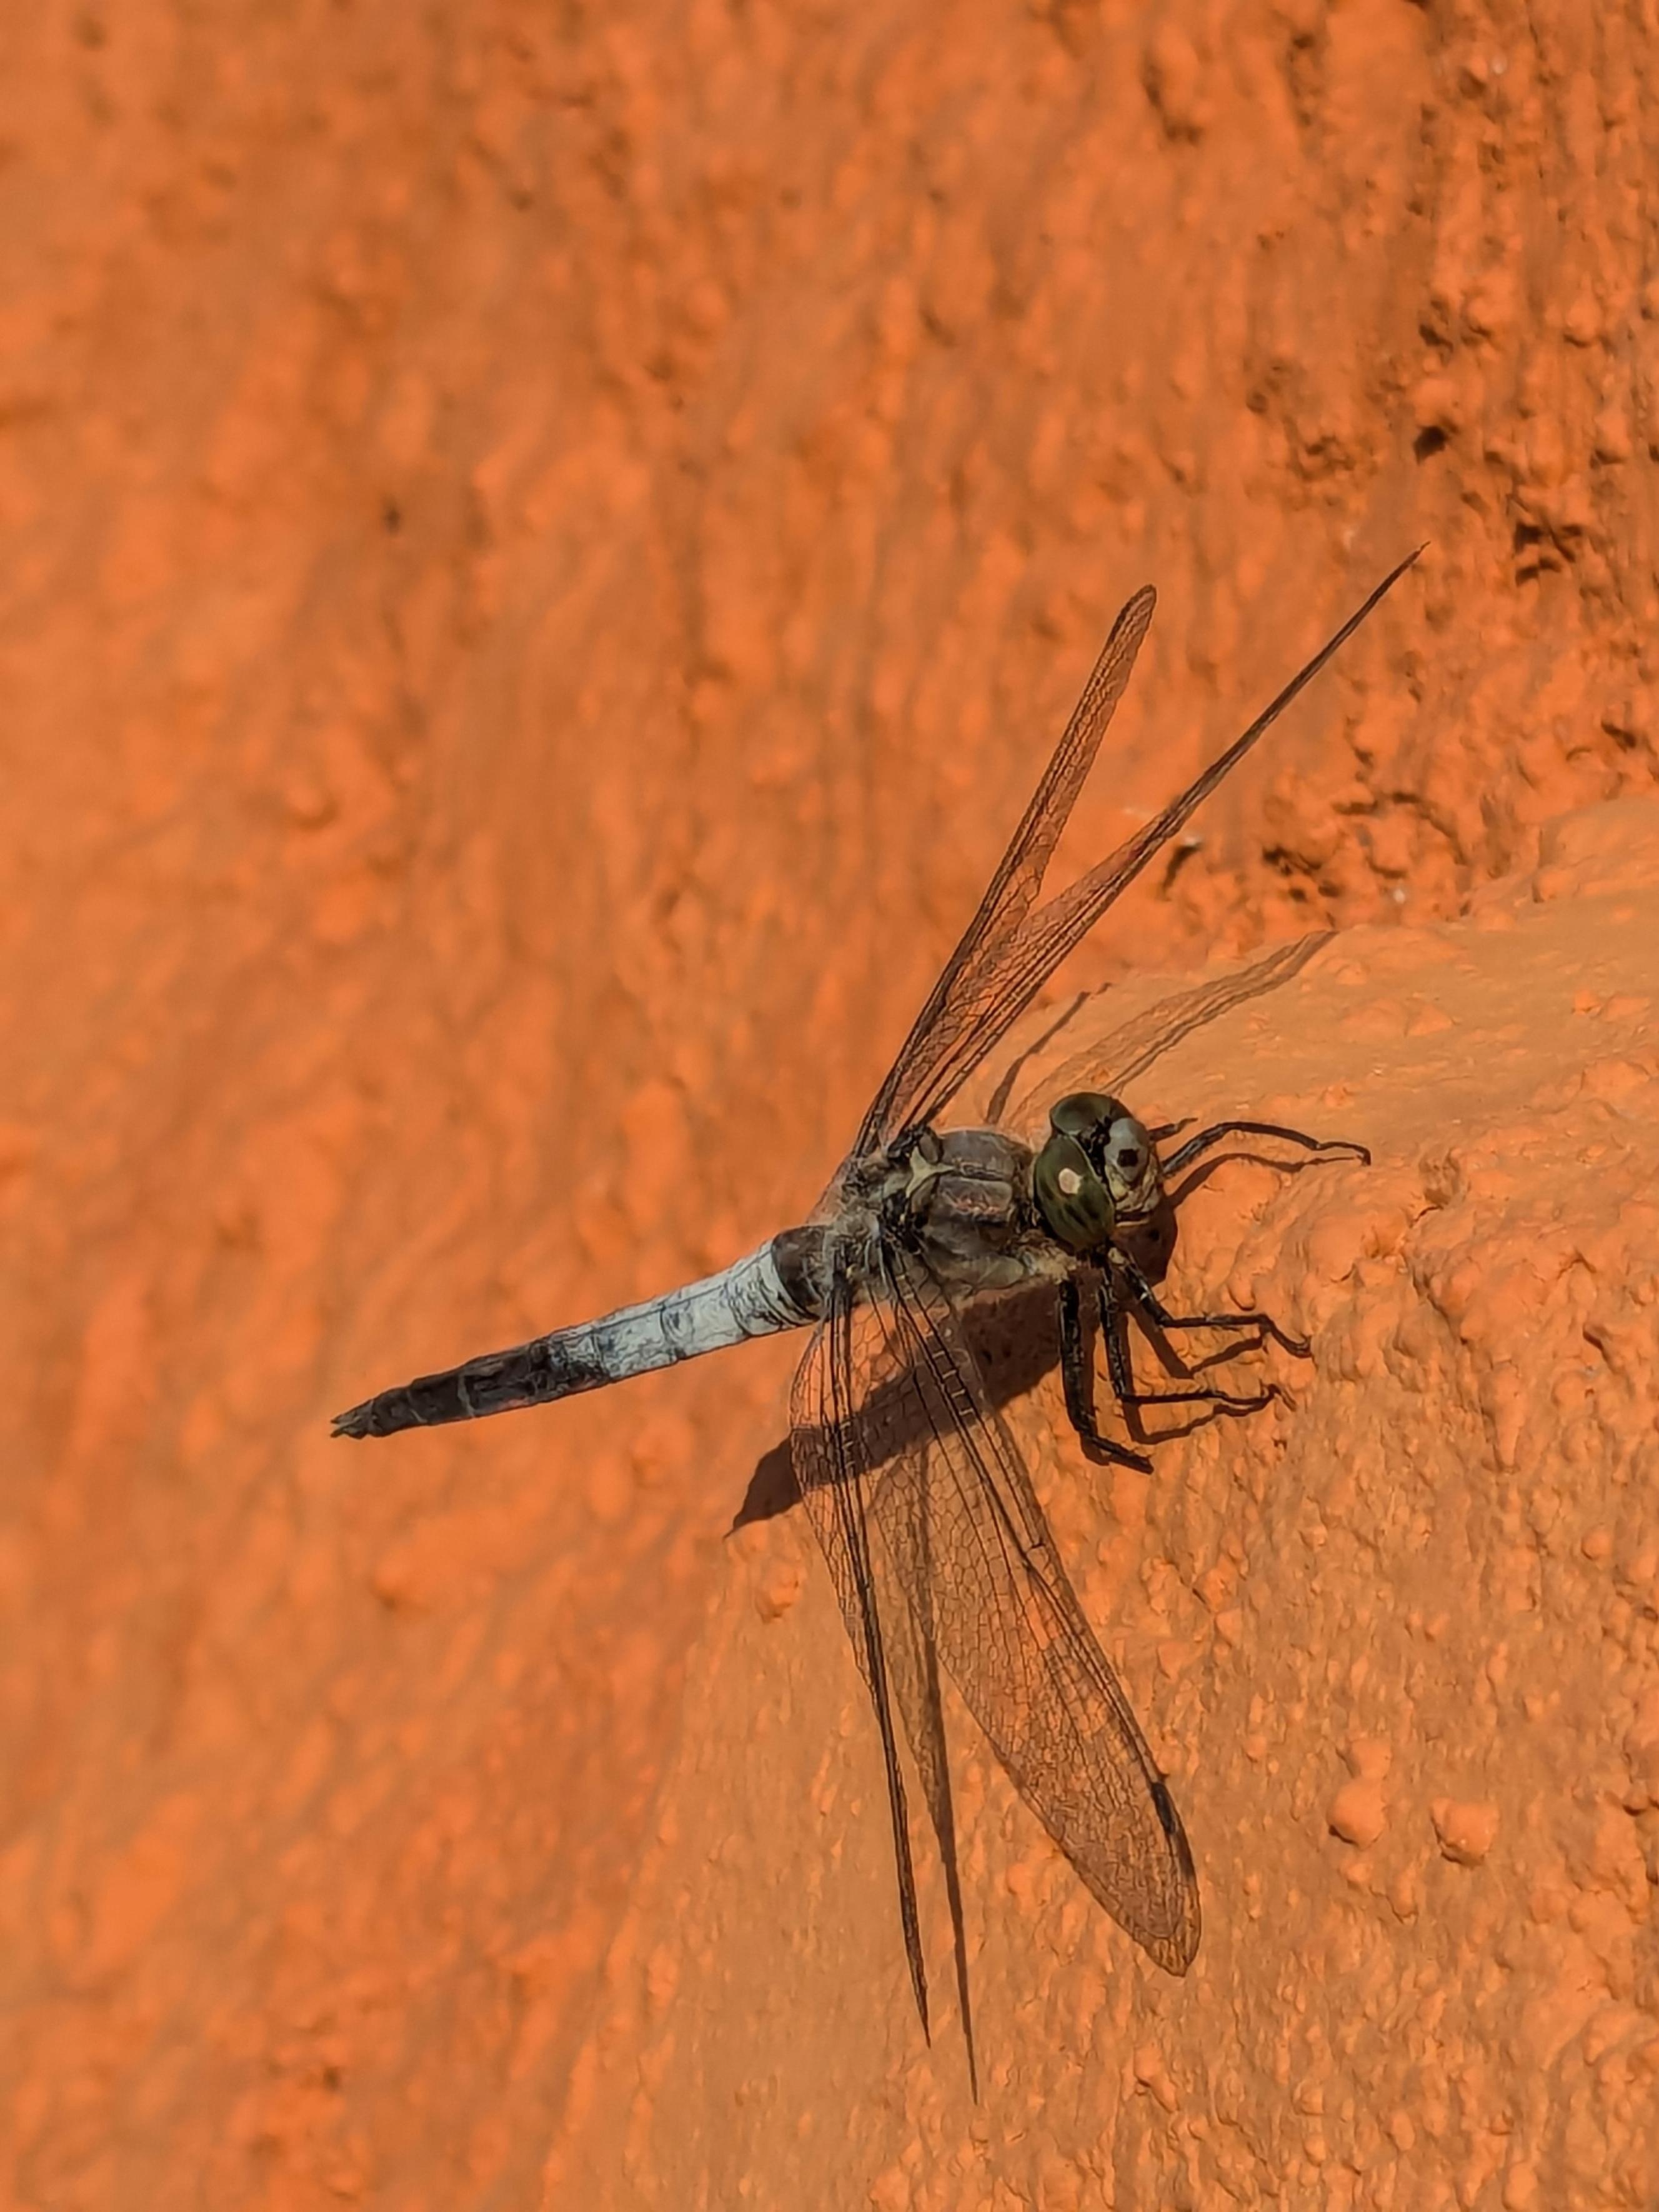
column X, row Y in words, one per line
column 938, row 1547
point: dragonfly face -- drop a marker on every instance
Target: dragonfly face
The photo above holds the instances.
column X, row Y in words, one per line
column 1099, row 1170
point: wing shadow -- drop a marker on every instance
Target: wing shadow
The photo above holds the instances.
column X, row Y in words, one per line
column 1015, row 1339
column 1130, row 1051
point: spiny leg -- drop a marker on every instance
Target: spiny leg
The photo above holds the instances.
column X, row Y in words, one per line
column 1077, row 1373
column 1194, row 1148
column 1206, row 1137
column 1122, row 1373
column 1147, row 1299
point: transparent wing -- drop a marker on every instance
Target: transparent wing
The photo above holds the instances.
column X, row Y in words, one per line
column 941, row 1554
column 1009, row 952
column 1019, row 873
column 968, row 1542
column 852, row 1410
column 827, row 1446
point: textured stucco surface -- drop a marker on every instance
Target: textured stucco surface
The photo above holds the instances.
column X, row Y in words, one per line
column 1397, row 1647
column 543, row 550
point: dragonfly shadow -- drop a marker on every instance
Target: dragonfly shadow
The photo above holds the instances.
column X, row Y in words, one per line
column 1014, row 1341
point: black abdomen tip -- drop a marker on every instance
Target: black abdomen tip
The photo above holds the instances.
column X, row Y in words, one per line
column 427, row 1402
column 375, row 1417
column 391, row 1411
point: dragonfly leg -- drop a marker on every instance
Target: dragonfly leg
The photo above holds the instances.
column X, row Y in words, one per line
column 1207, row 1137
column 1123, row 1374
column 1147, row 1298
column 1077, row 1373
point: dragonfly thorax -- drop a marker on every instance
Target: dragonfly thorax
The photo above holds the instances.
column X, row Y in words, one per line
column 1098, row 1171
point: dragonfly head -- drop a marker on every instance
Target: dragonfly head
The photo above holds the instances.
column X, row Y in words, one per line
column 1099, row 1165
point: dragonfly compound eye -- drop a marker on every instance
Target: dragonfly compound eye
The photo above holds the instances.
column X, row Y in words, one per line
column 1083, row 1115
column 1127, row 1159
column 1074, row 1203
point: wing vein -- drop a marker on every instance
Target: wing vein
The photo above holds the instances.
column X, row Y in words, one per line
column 1008, row 952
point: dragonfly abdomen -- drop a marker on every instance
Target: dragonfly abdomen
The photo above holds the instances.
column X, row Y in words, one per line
column 748, row 1299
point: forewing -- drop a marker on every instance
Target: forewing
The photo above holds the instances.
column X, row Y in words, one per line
column 976, row 1003
column 1018, row 879
column 966, row 1538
